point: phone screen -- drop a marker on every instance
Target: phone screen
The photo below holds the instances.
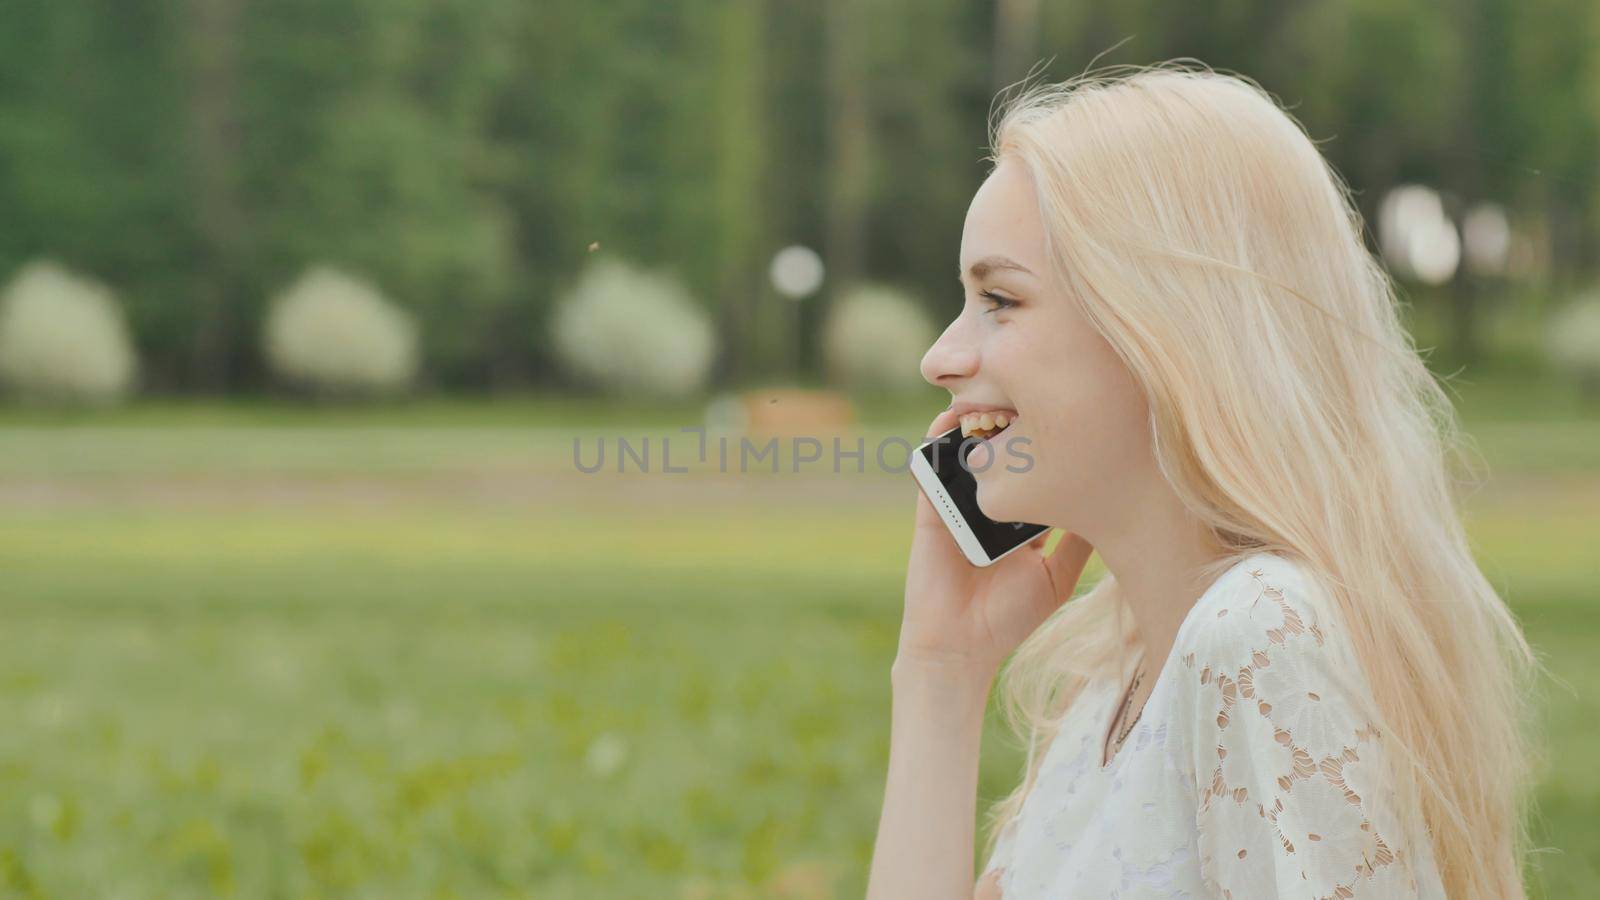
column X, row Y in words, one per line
column 946, row 457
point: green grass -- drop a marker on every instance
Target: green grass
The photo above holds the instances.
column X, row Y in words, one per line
column 400, row 659
column 405, row 704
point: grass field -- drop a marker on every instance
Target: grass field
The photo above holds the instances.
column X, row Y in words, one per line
column 404, row 654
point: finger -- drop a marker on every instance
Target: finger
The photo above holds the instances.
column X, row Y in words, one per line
column 944, row 421
column 989, row 886
column 1065, row 565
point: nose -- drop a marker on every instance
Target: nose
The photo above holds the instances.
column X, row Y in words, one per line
column 951, row 358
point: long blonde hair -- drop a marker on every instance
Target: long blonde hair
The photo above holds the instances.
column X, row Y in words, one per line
column 1220, row 255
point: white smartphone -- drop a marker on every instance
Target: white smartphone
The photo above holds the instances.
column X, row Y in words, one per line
column 940, row 468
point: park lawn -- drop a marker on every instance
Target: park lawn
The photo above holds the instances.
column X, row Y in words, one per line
column 438, row 703
column 270, row 651
column 425, row 698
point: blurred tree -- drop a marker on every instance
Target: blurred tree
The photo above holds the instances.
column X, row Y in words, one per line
column 465, row 154
column 1552, row 112
column 1016, row 40
column 92, row 171
column 738, row 87
column 931, row 119
column 370, row 149
column 907, row 111
column 795, row 182
column 617, row 119
column 1475, row 168
column 212, row 31
column 849, row 163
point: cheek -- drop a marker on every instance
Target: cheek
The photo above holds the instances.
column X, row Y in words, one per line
column 1091, row 415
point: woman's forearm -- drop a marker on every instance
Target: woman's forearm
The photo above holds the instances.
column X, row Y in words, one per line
column 925, row 833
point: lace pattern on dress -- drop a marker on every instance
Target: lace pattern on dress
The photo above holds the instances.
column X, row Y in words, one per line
column 1288, row 769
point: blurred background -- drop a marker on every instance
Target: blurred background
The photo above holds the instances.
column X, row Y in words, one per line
column 307, row 308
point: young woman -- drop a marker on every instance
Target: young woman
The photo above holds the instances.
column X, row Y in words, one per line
column 1293, row 680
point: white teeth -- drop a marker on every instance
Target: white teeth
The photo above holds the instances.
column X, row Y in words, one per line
column 989, row 423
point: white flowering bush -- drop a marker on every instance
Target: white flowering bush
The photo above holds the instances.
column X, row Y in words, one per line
column 875, row 337
column 1573, row 341
column 633, row 331
column 337, row 334
column 63, row 338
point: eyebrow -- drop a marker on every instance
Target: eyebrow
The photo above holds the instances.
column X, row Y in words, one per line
column 988, row 264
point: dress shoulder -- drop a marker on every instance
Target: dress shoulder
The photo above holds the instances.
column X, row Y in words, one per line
column 1291, row 787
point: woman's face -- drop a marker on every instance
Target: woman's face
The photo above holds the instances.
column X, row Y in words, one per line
column 1079, row 414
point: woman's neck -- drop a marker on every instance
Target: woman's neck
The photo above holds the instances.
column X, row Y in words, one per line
column 1159, row 573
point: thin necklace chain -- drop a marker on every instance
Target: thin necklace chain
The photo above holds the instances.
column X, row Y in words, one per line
column 1122, row 714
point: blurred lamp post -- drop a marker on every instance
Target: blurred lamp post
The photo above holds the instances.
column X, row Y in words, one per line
column 1487, row 235
column 796, row 273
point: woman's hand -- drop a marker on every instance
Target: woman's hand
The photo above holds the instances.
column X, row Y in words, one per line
column 969, row 618
column 988, row 887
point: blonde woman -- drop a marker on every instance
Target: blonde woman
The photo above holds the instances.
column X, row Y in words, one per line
column 1293, row 680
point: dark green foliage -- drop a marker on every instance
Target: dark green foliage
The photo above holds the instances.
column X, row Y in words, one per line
column 465, row 154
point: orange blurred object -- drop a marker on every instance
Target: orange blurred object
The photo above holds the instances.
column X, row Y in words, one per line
column 790, row 412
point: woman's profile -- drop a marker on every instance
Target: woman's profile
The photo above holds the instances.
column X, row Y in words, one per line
column 1293, row 679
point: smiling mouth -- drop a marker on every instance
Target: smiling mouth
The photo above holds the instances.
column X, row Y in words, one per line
column 986, row 425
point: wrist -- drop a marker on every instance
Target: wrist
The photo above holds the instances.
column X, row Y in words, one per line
column 943, row 671
column 948, row 697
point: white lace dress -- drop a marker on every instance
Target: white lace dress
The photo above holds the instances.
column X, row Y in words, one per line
column 1253, row 771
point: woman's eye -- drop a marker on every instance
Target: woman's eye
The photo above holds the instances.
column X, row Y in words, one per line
column 999, row 301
